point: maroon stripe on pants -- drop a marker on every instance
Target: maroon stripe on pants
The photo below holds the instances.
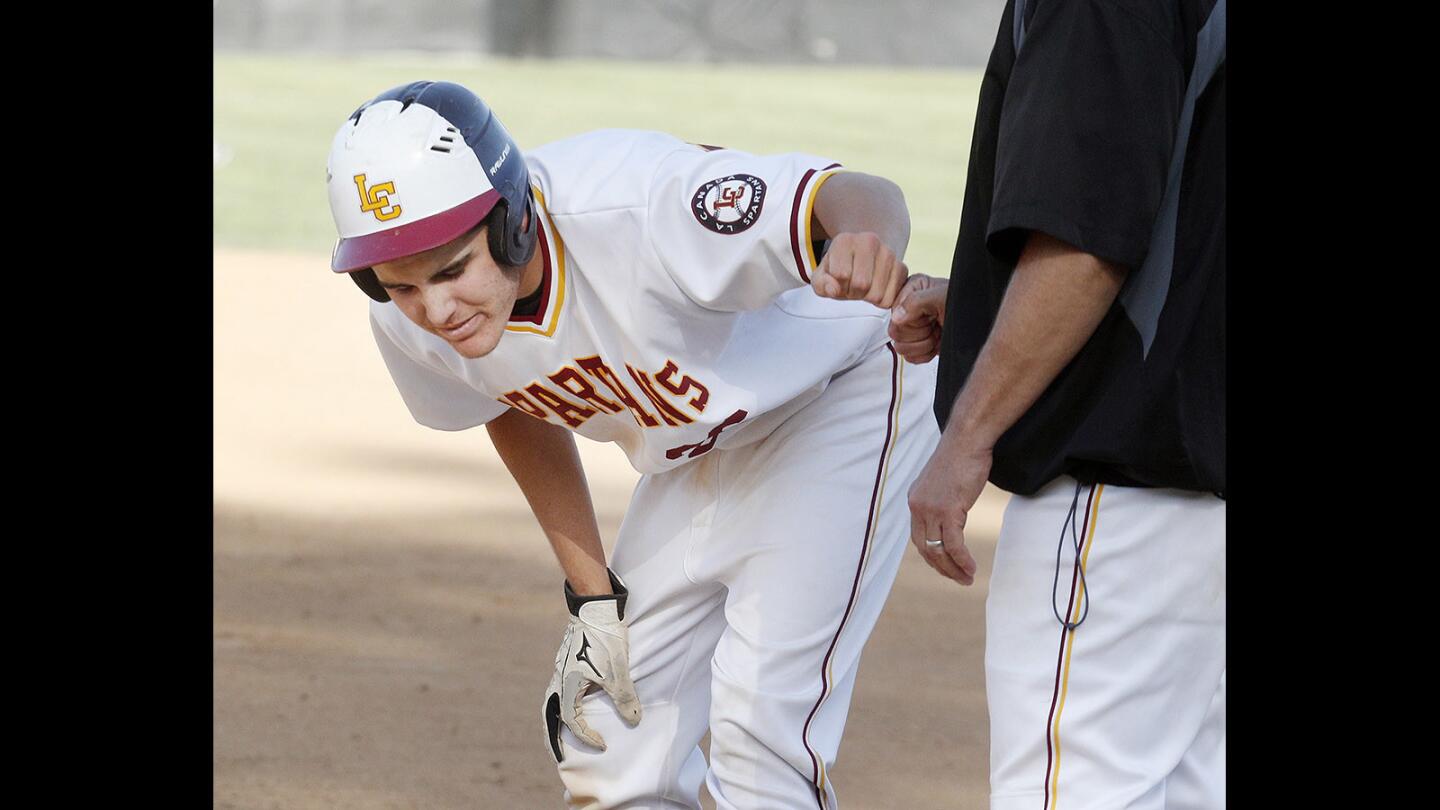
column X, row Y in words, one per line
column 1055, row 695
column 859, row 568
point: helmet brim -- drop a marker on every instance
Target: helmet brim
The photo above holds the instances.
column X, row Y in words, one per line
column 359, row 252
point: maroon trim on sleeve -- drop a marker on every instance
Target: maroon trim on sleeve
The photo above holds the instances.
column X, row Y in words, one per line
column 795, row 221
column 795, row 226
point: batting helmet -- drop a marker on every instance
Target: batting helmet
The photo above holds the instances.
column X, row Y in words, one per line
column 418, row 166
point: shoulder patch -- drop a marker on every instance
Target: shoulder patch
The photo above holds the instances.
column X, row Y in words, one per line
column 729, row 204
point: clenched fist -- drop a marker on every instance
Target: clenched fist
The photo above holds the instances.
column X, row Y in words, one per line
column 917, row 317
column 858, row 266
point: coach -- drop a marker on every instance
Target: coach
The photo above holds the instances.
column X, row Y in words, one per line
column 1082, row 369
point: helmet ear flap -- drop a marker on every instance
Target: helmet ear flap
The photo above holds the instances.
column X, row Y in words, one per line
column 367, row 280
column 495, row 233
column 511, row 234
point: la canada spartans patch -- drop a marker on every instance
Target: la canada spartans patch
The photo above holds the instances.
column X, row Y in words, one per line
column 729, row 204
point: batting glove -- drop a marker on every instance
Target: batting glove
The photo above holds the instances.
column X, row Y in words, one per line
column 594, row 653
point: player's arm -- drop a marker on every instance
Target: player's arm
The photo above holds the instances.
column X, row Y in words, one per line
column 543, row 460
column 596, row 648
column 1055, row 300
column 868, row 226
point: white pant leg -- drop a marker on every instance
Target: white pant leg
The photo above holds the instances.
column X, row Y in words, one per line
column 808, row 540
column 1198, row 782
column 674, row 623
column 1102, row 716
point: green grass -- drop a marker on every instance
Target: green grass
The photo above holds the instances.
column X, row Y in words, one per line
column 277, row 115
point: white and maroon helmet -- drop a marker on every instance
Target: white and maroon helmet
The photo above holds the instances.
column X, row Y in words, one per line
column 418, row 166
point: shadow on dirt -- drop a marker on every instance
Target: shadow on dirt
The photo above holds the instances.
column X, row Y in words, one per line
column 399, row 661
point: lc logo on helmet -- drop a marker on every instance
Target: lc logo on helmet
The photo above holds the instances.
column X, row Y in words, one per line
column 376, row 198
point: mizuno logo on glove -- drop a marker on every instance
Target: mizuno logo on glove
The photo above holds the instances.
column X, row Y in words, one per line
column 583, row 655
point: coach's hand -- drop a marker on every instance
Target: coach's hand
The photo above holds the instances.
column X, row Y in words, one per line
column 594, row 653
column 858, row 266
column 916, row 319
column 940, row 502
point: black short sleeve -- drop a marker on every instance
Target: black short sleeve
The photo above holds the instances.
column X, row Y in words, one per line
column 1087, row 128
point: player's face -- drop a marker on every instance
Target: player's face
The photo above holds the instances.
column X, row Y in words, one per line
column 455, row 291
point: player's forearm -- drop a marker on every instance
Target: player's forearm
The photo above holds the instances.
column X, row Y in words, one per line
column 544, row 462
column 1057, row 297
column 851, row 202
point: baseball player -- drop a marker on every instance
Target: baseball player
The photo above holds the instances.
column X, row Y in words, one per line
column 669, row 297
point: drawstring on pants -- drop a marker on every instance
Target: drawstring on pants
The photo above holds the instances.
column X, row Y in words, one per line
column 1075, row 543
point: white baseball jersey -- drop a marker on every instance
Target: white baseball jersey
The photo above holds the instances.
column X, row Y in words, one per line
column 675, row 313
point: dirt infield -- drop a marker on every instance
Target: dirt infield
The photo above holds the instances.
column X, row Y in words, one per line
column 386, row 610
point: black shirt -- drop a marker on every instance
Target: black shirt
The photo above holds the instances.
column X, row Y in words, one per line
column 1075, row 140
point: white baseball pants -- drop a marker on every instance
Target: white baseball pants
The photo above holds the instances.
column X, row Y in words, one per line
column 1126, row 711
column 756, row 575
